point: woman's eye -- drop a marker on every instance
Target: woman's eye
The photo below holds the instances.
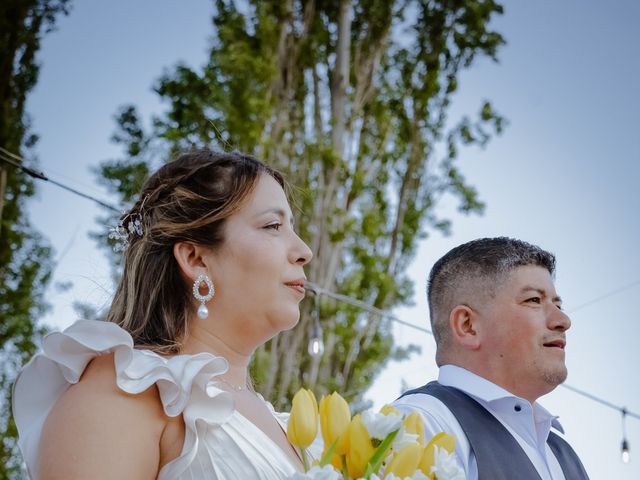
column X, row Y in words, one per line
column 274, row 226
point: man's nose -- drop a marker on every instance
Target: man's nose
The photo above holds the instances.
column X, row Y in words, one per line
column 558, row 320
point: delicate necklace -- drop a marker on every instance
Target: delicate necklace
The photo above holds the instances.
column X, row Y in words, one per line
column 237, row 388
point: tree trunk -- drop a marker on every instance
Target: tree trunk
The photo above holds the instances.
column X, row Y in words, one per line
column 3, row 187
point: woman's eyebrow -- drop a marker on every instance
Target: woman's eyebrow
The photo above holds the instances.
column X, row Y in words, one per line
column 278, row 211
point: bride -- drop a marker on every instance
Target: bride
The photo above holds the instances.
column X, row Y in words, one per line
column 212, row 269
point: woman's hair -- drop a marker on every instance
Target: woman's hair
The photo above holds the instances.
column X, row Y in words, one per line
column 188, row 199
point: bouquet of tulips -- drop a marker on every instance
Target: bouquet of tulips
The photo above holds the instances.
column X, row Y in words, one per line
column 381, row 445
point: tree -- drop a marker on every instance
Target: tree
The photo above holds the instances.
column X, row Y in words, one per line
column 349, row 98
column 25, row 256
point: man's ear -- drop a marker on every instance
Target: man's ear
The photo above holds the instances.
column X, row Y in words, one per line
column 463, row 323
column 191, row 259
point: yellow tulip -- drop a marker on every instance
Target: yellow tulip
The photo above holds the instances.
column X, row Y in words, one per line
column 442, row 440
column 334, row 420
column 405, row 462
column 359, row 448
column 303, row 422
column 413, row 424
column 387, row 409
column 336, row 460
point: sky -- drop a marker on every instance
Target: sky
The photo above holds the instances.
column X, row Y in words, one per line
column 563, row 175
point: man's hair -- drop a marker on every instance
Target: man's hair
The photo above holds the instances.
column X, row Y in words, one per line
column 476, row 268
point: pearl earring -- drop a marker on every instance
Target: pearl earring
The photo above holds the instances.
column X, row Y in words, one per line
column 203, row 311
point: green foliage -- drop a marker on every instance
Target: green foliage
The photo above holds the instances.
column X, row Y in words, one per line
column 125, row 178
column 25, row 257
column 354, row 111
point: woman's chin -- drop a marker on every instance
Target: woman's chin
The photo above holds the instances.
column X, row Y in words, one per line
column 292, row 324
column 289, row 320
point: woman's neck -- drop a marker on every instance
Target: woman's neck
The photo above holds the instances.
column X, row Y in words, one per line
column 201, row 339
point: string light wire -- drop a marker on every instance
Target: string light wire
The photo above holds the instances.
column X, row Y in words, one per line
column 382, row 313
column 602, row 297
column 17, row 161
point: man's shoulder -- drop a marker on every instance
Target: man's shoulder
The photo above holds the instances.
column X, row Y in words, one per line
column 437, row 418
column 433, row 410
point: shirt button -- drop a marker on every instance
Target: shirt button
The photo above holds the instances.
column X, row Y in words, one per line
column 517, row 408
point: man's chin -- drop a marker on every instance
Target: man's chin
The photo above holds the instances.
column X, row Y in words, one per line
column 556, row 377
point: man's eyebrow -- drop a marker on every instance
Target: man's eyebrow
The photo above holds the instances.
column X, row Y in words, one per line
column 540, row 291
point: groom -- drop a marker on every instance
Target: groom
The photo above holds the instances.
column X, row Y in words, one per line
column 500, row 337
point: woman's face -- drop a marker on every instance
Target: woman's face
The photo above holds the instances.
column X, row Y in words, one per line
column 258, row 271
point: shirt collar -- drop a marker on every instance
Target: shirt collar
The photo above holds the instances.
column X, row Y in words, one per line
column 488, row 392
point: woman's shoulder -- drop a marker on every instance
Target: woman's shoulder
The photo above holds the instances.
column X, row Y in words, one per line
column 94, row 422
column 98, row 386
column 90, row 376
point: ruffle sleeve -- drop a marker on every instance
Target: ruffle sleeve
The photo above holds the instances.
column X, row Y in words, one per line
column 184, row 382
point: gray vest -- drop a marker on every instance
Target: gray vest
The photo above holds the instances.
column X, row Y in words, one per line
column 498, row 454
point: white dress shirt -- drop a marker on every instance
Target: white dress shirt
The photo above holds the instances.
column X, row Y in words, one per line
column 529, row 424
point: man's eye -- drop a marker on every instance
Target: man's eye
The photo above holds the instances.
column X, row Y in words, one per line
column 274, row 226
column 534, row 300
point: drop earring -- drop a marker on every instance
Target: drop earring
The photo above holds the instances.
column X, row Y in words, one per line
column 203, row 311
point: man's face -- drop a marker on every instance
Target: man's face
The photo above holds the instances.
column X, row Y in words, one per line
column 522, row 332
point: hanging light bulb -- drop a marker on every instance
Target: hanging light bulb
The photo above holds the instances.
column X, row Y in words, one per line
column 625, row 451
column 625, row 443
column 316, row 345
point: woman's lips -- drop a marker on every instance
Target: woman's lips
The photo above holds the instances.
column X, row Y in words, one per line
column 298, row 286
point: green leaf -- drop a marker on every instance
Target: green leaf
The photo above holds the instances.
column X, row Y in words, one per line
column 326, row 458
column 379, row 455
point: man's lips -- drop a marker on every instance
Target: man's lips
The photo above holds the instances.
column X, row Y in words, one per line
column 559, row 343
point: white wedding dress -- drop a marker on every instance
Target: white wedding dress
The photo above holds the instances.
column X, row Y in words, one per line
column 219, row 442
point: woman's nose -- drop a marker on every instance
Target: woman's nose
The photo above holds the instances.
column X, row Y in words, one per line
column 301, row 253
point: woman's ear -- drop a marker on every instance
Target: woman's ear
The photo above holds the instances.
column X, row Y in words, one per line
column 190, row 258
column 463, row 323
